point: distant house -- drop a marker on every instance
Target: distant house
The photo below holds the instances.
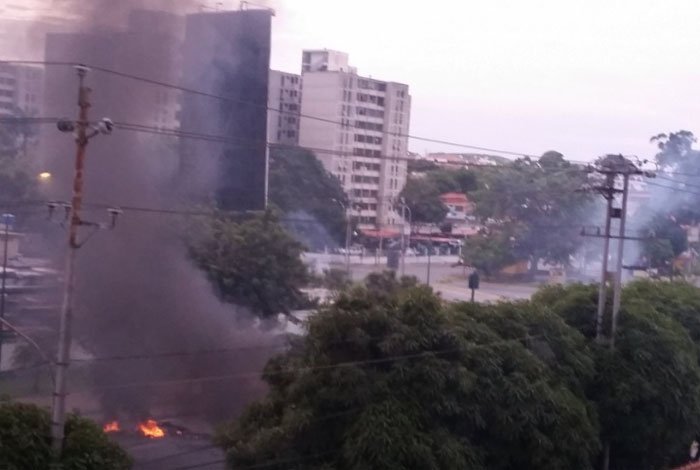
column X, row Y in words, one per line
column 458, row 205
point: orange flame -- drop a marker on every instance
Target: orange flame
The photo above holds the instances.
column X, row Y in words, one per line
column 112, row 426
column 150, row 428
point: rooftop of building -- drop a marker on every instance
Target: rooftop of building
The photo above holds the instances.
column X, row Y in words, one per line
column 454, row 198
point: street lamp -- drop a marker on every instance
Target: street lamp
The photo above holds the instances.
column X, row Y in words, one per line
column 405, row 208
column 44, row 176
column 348, row 233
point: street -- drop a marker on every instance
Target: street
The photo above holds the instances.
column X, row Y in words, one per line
column 451, row 282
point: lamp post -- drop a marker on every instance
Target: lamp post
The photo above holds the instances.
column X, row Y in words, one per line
column 405, row 208
column 348, row 233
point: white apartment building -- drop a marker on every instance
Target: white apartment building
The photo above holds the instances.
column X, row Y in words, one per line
column 364, row 125
column 21, row 89
column 284, row 104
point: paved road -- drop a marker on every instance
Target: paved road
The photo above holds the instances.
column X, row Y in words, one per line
column 451, row 282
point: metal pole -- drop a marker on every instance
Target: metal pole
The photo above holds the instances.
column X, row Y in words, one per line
column 4, row 279
column 430, row 250
column 64, row 335
column 403, row 235
column 473, row 290
column 602, row 290
column 617, row 292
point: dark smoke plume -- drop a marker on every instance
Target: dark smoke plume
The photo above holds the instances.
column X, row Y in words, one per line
column 137, row 294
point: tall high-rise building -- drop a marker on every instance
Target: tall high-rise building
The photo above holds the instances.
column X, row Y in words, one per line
column 283, row 106
column 227, row 54
column 149, row 46
column 363, row 123
column 21, row 88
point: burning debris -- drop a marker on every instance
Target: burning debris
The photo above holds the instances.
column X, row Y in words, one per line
column 112, row 426
column 150, row 428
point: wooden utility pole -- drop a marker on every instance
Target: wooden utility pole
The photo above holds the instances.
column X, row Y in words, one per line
column 81, row 128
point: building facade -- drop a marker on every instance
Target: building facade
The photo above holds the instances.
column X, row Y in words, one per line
column 227, row 53
column 358, row 128
column 21, row 89
column 283, row 107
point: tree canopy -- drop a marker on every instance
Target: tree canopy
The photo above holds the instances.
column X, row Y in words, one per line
column 253, row 263
column 423, row 189
column 536, row 203
column 300, row 185
column 646, row 390
column 391, row 379
column 25, row 442
column 15, row 180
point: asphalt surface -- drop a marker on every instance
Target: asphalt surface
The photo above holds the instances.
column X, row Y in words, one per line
column 451, row 282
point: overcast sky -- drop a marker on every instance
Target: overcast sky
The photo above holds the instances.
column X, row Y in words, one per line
column 583, row 77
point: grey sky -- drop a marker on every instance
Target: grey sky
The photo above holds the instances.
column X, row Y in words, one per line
column 584, row 77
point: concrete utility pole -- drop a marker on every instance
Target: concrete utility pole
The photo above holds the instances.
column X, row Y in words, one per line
column 608, row 193
column 612, row 166
column 7, row 220
column 83, row 132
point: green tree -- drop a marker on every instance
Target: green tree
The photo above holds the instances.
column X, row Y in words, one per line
column 25, row 442
column 253, row 263
column 387, row 378
column 488, row 252
column 537, row 203
column 646, row 390
column 15, row 169
column 424, row 202
column 298, row 182
column 422, row 192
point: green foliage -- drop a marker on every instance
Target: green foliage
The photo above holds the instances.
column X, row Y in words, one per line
column 422, row 192
column 25, row 442
column 420, row 166
column 424, row 202
column 667, row 239
column 647, row 390
column 15, row 180
column 336, row 280
column 488, row 252
column 388, row 378
column 537, row 203
column 298, row 183
column 252, row 263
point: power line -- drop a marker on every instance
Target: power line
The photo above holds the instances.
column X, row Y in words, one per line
column 672, row 180
column 269, row 108
column 671, row 188
column 338, row 365
column 241, row 143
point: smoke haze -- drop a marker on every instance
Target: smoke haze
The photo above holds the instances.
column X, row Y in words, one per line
column 137, row 294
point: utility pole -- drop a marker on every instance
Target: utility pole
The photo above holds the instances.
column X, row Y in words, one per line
column 617, row 292
column 58, row 409
column 83, row 133
column 612, row 166
column 430, row 250
column 608, row 194
column 7, row 219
